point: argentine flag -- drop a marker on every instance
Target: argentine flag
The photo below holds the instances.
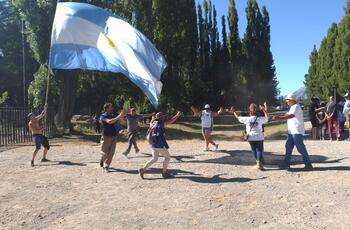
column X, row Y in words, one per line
column 88, row 37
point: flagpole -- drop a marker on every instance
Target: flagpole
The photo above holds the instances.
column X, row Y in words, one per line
column 23, row 67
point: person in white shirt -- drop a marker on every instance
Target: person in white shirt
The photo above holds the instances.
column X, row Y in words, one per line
column 254, row 130
column 207, row 123
column 346, row 112
column 296, row 131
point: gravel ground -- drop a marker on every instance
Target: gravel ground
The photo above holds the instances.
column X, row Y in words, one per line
column 211, row 190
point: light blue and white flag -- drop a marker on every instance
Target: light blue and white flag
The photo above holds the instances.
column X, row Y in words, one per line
column 88, row 37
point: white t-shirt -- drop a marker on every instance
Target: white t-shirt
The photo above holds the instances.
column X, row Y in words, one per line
column 296, row 124
column 207, row 119
column 254, row 127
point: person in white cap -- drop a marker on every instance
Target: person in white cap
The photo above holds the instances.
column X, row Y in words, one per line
column 207, row 124
column 296, row 131
column 346, row 112
column 159, row 143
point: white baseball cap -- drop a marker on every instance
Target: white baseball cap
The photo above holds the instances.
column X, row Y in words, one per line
column 207, row 106
column 291, row 97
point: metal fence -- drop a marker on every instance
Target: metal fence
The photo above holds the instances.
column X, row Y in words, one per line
column 14, row 125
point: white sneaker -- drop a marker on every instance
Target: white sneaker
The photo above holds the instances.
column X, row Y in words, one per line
column 206, row 149
column 216, row 147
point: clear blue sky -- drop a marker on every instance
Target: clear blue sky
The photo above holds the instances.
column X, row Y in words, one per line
column 296, row 25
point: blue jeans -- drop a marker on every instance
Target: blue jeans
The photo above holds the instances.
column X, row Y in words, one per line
column 257, row 149
column 298, row 141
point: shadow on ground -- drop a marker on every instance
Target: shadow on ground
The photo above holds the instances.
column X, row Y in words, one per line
column 66, row 163
column 194, row 177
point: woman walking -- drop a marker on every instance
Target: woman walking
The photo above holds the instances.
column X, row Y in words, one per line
column 254, row 131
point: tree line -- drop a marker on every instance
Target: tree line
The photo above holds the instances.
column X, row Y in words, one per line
column 205, row 65
column 329, row 70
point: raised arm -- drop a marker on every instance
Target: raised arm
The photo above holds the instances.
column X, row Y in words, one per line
column 233, row 111
column 121, row 116
column 195, row 111
column 219, row 112
column 173, row 119
column 266, row 110
column 43, row 113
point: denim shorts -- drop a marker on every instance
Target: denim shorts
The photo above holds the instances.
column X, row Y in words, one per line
column 40, row 140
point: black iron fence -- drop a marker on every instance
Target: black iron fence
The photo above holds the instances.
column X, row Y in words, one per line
column 14, row 125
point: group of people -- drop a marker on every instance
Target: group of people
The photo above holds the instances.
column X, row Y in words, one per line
column 326, row 116
column 254, row 122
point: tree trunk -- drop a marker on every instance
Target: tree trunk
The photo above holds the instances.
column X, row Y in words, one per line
column 68, row 91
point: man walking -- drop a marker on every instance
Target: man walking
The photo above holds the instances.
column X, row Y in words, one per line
column 109, row 135
column 38, row 138
column 133, row 120
column 296, row 131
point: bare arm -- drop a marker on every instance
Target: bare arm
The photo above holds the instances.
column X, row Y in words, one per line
column 43, row 113
column 266, row 111
column 221, row 111
column 319, row 109
column 283, row 117
column 195, row 111
column 173, row 119
column 117, row 118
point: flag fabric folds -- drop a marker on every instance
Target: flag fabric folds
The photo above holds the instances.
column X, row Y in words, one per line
column 91, row 38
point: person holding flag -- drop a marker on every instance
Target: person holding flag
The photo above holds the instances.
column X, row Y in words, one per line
column 38, row 138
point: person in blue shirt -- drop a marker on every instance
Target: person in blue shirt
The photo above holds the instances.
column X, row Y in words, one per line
column 109, row 134
column 159, row 143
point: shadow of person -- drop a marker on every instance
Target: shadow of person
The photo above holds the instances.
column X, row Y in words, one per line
column 67, row 163
column 217, row 179
column 152, row 171
column 245, row 157
column 335, row 168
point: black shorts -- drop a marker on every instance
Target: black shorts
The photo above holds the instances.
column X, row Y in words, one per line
column 40, row 140
column 314, row 123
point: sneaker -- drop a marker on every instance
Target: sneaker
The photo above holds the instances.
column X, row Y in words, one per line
column 167, row 175
column 32, row 163
column 101, row 163
column 260, row 166
column 137, row 151
column 206, row 149
column 125, row 154
column 216, row 147
column 308, row 167
column 141, row 173
column 44, row 160
column 106, row 169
